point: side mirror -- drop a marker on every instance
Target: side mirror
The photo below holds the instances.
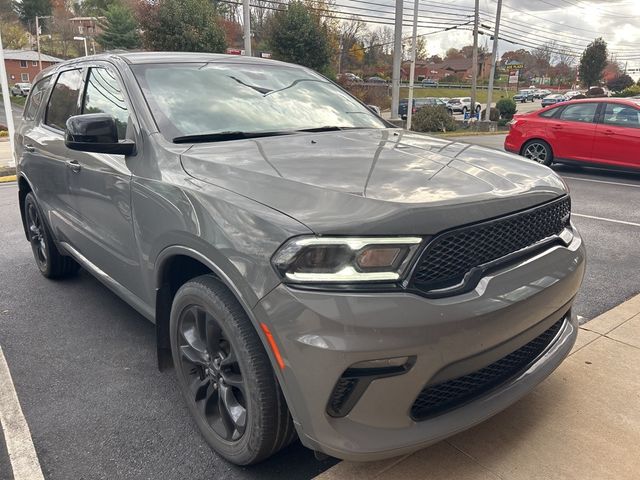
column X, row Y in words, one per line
column 96, row 132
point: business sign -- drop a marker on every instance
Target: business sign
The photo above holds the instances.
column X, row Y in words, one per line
column 235, row 51
column 513, row 77
column 514, row 66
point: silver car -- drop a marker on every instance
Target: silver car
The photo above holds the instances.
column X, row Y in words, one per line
column 312, row 271
column 20, row 89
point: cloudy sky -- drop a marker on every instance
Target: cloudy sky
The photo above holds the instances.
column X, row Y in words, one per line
column 571, row 23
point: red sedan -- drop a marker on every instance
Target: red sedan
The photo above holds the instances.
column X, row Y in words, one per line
column 598, row 131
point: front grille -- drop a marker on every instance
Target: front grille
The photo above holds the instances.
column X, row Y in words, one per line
column 437, row 399
column 450, row 256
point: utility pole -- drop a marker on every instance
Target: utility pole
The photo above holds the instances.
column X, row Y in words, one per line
column 246, row 14
column 38, row 42
column 4, row 81
column 494, row 53
column 397, row 60
column 474, row 67
column 412, row 70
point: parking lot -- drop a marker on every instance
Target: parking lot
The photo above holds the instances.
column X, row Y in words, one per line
column 83, row 362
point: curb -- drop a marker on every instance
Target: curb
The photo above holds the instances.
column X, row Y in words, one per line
column 9, row 178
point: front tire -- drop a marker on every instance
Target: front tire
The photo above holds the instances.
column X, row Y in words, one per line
column 50, row 262
column 225, row 374
column 538, row 151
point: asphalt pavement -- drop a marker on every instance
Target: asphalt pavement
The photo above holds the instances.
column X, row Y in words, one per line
column 83, row 362
column 16, row 112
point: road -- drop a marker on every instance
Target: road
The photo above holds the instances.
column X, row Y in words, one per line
column 83, row 362
column 15, row 110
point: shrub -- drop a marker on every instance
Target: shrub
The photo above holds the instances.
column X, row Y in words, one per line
column 495, row 114
column 631, row 91
column 503, row 122
column 377, row 95
column 433, row 119
column 4, row 133
column 506, row 107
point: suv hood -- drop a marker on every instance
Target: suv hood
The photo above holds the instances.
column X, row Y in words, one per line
column 374, row 181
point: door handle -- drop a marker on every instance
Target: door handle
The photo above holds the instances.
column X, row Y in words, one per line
column 74, row 166
column 29, row 148
column 609, row 132
column 557, row 127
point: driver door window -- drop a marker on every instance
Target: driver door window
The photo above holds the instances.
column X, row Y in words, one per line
column 104, row 95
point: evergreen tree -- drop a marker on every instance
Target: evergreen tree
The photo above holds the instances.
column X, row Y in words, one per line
column 297, row 35
column 593, row 62
column 182, row 25
column 120, row 30
column 27, row 10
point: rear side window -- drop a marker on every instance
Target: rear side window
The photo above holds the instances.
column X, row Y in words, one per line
column 621, row 116
column 63, row 102
column 579, row 112
column 104, row 95
column 549, row 113
column 36, row 98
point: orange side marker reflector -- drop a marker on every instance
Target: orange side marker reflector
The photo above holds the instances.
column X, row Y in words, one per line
column 273, row 345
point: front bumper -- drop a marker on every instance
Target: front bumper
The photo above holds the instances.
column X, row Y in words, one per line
column 321, row 334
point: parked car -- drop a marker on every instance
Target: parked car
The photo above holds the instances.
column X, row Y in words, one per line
column 572, row 93
column 598, row 131
column 21, row 89
column 350, row 78
column 376, row 80
column 417, row 104
column 311, row 269
column 553, row 99
column 541, row 93
column 524, row 96
column 461, row 105
column 429, row 82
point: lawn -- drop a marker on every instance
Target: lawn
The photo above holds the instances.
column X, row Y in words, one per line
column 455, row 92
column 16, row 100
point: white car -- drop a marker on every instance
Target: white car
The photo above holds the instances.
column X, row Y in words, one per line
column 461, row 105
column 21, row 89
column 572, row 93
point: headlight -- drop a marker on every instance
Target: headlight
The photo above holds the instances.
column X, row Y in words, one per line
column 345, row 259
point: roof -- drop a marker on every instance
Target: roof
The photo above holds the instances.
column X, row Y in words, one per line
column 30, row 56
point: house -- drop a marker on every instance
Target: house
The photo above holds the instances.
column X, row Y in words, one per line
column 457, row 67
column 23, row 66
column 88, row 26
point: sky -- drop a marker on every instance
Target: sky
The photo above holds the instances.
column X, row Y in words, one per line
column 572, row 23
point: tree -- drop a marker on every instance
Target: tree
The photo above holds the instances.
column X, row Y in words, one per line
column 593, row 62
column 620, row 83
column 27, row 10
column 421, row 48
column 181, row 25
column 120, row 30
column 14, row 36
column 453, row 53
column 95, row 7
column 297, row 35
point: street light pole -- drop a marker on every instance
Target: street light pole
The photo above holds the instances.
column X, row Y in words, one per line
column 412, row 70
column 246, row 14
column 84, row 40
column 4, row 81
column 474, row 67
column 397, row 60
column 494, row 53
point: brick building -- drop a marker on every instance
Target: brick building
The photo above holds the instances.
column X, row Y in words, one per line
column 461, row 68
column 22, row 65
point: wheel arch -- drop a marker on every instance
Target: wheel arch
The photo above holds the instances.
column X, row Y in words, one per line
column 175, row 265
column 539, row 139
column 24, row 187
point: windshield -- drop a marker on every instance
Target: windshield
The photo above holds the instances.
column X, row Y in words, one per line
column 208, row 98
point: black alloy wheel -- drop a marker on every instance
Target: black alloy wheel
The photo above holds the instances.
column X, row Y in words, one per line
column 215, row 379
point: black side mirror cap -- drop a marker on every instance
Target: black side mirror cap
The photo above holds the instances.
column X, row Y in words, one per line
column 96, row 132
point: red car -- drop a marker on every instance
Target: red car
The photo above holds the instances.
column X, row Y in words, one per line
column 599, row 131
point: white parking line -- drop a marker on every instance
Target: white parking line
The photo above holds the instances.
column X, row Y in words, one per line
column 634, row 185
column 623, row 222
column 22, row 454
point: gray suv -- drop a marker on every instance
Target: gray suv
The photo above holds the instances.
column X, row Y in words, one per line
column 311, row 270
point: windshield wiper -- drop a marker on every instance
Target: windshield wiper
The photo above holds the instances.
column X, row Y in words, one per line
column 326, row 128
column 229, row 135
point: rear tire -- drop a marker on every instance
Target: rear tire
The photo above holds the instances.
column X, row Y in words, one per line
column 225, row 374
column 538, row 151
column 50, row 262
